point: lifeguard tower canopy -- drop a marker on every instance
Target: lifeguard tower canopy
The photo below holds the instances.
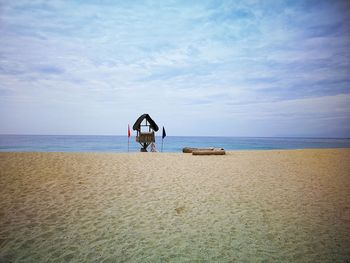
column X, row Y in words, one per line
column 152, row 124
column 145, row 128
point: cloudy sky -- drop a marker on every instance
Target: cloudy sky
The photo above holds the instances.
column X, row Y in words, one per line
column 225, row 68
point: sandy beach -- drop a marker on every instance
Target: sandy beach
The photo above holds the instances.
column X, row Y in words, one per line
column 282, row 206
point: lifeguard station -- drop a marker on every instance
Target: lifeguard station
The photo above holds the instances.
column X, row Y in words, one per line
column 145, row 128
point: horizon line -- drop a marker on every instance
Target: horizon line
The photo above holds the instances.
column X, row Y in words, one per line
column 222, row 136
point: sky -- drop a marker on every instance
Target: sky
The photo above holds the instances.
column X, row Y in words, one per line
column 200, row 68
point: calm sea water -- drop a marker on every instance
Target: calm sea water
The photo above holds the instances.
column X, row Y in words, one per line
column 77, row 143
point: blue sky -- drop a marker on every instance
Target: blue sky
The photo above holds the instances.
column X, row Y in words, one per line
column 225, row 68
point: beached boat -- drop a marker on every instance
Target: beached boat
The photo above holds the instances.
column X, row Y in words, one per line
column 204, row 151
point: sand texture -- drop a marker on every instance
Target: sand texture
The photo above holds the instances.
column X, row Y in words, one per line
column 250, row 206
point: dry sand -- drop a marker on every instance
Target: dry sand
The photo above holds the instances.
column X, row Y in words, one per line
column 245, row 206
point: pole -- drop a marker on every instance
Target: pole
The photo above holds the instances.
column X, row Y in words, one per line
column 128, row 143
column 162, row 144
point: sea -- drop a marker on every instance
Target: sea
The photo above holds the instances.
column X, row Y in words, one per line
column 91, row 143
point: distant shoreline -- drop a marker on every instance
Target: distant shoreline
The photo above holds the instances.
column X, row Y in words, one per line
column 179, row 153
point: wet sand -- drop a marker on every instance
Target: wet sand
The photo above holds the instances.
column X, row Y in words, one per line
column 290, row 205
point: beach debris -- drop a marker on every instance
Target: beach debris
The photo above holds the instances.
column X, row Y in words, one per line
column 180, row 209
column 145, row 128
column 204, row 151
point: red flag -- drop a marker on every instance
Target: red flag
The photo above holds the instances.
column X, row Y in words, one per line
column 128, row 130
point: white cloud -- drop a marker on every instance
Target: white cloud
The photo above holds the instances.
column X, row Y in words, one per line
column 96, row 67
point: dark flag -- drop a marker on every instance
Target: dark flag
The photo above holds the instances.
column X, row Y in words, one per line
column 164, row 133
column 163, row 136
